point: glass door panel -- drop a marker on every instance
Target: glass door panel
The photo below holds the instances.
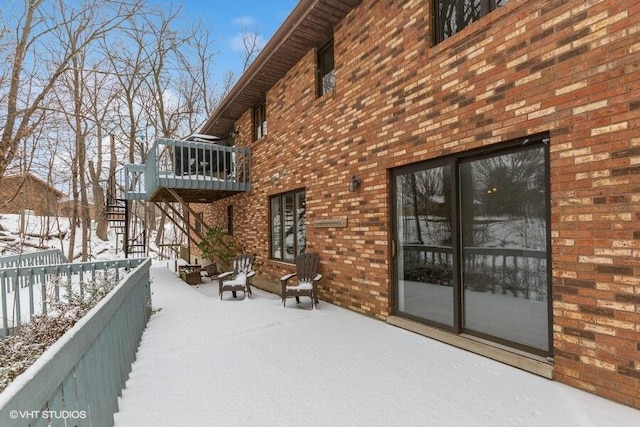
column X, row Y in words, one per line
column 504, row 247
column 424, row 256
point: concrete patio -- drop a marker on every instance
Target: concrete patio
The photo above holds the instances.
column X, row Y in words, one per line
column 207, row 362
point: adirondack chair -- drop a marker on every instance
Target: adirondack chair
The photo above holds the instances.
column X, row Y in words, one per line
column 238, row 279
column 307, row 277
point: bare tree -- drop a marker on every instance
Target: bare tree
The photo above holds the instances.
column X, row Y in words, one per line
column 41, row 53
column 129, row 62
column 195, row 84
column 251, row 42
column 99, row 95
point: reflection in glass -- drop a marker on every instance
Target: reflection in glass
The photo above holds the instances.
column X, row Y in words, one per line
column 424, row 256
column 454, row 15
column 302, row 224
column 504, row 234
column 276, row 229
column 289, row 229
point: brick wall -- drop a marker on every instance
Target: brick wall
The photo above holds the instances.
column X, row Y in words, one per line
column 571, row 68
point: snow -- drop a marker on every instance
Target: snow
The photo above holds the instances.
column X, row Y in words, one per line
column 251, row 362
column 41, row 233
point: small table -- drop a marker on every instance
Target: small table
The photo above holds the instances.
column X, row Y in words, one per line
column 190, row 273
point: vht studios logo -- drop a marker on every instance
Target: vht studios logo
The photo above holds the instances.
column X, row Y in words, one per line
column 48, row 415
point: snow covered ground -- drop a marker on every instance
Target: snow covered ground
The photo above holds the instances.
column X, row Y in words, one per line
column 207, row 362
column 41, row 232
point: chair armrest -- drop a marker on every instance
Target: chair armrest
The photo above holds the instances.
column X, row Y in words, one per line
column 287, row 277
column 225, row 274
column 317, row 278
column 251, row 274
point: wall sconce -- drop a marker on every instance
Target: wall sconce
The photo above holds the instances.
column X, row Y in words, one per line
column 354, row 184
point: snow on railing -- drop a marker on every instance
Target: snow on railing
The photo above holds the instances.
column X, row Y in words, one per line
column 51, row 256
column 189, row 164
column 77, row 380
column 25, row 291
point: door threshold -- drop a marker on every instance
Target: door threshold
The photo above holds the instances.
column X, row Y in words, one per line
column 534, row 364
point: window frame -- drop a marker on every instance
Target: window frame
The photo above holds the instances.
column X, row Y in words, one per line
column 230, row 220
column 454, row 162
column 298, row 195
column 198, row 223
column 322, row 85
column 485, row 7
column 260, row 120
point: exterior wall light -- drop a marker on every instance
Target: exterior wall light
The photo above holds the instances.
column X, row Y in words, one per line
column 354, row 184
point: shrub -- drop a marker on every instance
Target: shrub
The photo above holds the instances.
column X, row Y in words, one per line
column 22, row 349
column 219, row 246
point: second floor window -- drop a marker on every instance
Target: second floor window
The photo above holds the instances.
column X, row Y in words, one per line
column 452, row 16
column 260, row 121
column 326, row 69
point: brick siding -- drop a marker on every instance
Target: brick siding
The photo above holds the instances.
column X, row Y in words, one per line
column 570, row 68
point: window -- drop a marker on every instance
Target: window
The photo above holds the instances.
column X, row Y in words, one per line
column 452, row 16
column 472, row 237
column 230, row 220
column 326, row 69
column 260, row 121
column 199, row 222
column 288, row 225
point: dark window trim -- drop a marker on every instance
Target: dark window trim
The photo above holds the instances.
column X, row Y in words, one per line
column 486, row 7
column 454, row 161
column 323, row 69
column 199, row 227
column 282, row 197
column 230, row 220
column 260, row 120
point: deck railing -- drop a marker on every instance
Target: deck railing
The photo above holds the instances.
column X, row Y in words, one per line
column 51, row 256
column 519, row 271
column 189, row 165
column 78, row 379
column 25, row 291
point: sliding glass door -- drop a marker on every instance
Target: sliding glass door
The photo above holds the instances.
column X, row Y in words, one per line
column 424, row 244
column 472, row 244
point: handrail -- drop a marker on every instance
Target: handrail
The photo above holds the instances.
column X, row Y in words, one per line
column 28, row 285
column 189, row 164
column 49, row 256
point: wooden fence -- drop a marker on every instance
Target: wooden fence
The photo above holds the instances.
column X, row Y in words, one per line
column 77, row 380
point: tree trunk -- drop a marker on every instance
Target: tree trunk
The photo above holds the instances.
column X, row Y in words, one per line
column 99, row 203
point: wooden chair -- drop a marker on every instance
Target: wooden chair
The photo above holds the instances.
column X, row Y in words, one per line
column 307, row 277
column 239, row 278
column 211, row 269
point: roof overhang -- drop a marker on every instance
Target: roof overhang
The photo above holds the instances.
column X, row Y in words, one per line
column 309, row 26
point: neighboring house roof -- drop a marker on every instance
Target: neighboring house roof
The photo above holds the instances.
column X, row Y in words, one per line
column 308, row 26
column 29, row 176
